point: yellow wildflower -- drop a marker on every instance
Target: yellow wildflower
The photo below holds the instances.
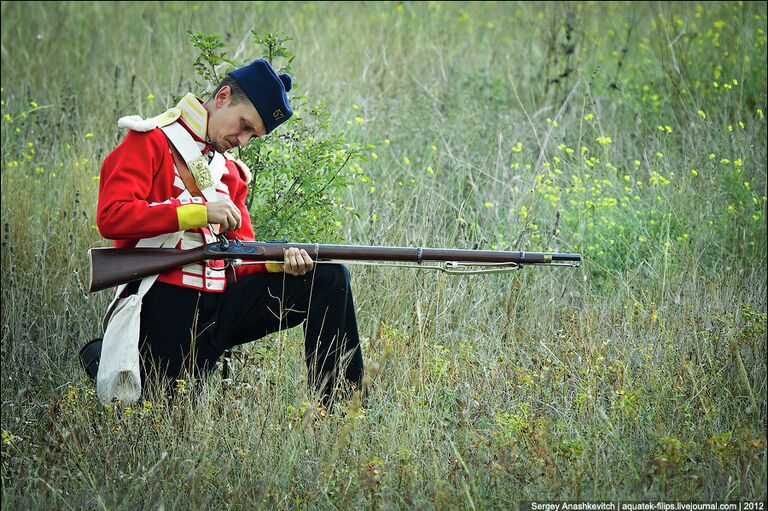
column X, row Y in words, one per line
column 8, row 437
column 604, row 140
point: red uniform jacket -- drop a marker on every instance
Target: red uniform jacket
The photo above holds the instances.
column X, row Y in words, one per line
column 138, row 187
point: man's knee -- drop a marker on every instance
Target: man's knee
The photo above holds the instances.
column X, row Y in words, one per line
column 332, row 276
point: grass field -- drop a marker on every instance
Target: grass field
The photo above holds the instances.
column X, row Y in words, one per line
column 634, row 133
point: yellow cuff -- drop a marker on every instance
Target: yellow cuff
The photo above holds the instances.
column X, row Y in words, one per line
column 192, row 216
column 274, row 267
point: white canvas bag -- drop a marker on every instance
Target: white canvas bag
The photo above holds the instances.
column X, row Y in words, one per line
column 118, row 376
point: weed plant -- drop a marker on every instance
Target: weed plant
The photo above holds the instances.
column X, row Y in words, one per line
column 634, row 133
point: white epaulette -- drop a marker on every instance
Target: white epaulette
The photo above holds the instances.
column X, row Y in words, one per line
column 136, row 123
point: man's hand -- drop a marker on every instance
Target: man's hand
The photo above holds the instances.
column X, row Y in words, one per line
column 297, row 262
column 225, row 213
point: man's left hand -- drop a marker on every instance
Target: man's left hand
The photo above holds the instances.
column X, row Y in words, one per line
column 297, row 262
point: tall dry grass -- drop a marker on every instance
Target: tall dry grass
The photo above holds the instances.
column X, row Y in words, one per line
column 585, row 127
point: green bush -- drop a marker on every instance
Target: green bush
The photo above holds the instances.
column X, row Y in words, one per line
column 298, row 172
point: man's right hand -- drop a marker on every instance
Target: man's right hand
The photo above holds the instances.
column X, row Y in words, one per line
column 225, row 213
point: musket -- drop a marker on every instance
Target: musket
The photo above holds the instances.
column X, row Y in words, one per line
column 114, row 266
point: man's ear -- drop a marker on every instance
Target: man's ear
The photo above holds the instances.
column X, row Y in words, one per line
column 222, row 97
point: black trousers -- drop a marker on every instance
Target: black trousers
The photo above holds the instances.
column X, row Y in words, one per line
column 182, row 328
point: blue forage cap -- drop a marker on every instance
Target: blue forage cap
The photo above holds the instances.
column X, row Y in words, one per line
column 266, row 90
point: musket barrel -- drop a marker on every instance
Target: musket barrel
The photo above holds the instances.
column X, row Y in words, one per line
column 274, row 251
column 566, row 257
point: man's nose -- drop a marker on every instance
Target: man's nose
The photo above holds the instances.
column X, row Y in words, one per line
column 243, row 139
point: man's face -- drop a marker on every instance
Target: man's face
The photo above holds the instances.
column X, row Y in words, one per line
column 232, row 125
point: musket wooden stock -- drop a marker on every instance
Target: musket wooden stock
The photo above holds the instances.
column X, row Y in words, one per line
column 114, row 266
